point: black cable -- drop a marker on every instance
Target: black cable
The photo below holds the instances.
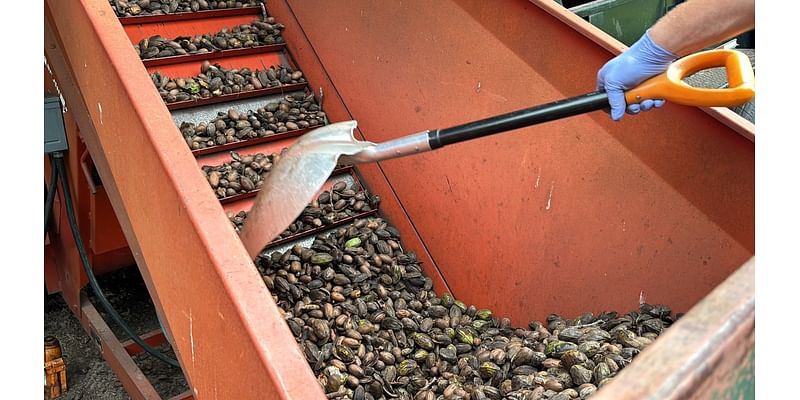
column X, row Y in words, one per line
column 73, row 224
column 50, row 195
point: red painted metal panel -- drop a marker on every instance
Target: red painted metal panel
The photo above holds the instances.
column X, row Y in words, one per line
column 52, row 277
column 252, row 61
column 52, row 280
column 152, row 62
column 559, row 216
column 106, row 234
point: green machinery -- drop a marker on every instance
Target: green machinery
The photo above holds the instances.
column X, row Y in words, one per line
column 625, row 20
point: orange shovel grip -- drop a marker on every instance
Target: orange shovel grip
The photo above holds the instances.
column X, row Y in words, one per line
column 670, row 85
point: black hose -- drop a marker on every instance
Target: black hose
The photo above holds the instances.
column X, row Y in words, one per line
column 73, row 224
column 50, row 195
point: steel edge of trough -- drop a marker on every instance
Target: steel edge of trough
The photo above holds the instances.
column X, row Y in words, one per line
column 701, row 353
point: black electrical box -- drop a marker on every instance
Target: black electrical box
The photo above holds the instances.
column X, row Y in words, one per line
column 55, row 138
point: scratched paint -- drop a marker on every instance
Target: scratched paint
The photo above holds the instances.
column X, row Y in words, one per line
column 191, row 335
column 550, row 195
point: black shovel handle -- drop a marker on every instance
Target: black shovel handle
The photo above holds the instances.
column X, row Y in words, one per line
column 518, row 119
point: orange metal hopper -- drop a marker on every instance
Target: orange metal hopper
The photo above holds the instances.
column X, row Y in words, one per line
column 578, row 215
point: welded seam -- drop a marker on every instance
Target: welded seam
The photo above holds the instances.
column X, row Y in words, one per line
column 380, row 168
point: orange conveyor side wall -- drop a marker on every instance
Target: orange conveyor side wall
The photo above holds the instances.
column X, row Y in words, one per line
column 578, row 215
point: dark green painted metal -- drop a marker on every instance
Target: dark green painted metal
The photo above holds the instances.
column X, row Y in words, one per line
column 625, row 20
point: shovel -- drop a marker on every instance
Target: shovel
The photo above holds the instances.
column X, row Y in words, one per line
column 302, row 170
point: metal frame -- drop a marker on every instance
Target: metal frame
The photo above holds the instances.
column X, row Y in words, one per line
column 215, row 299
column 118, row 355
column 132, row 378
column 213, row 55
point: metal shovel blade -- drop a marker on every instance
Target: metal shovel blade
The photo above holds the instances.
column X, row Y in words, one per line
column 294, row 181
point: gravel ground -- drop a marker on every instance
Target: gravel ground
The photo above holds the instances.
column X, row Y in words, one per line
column 88, row 375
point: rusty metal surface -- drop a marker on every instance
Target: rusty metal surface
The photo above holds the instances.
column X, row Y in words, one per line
column 106, row 235
column 702, row 356
column 228, row 333
column 576, row 214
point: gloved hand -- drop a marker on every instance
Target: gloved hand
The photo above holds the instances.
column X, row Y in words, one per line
column 641, row 61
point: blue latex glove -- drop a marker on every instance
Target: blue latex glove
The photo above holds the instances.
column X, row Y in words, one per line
column 641, row 61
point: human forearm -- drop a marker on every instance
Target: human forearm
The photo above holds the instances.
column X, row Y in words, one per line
column 696, row 24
